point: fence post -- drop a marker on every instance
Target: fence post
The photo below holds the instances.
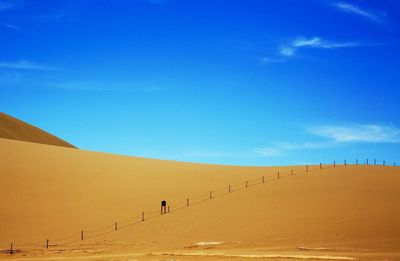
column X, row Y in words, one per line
column 116, row 226
column 142, row 216
column 47, row 243
column 345, row 163
column 278, row 174
column 187, row 202
column 263, row 179
column 384, row 163
column 11, row 249
column 334, row 163
column 229, row 188
column 320, row 166
column 291, row 172
column 306, row 168
column 356, row 161
column 211, row 195
column 82, row 235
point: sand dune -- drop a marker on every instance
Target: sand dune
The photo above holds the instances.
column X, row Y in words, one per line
column 12, row 128
column 49, row 192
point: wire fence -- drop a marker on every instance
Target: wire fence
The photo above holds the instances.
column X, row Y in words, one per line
column 85, row 236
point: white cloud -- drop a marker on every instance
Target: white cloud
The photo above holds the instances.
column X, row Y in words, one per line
column 287, row 50
column 25, row 65
column 276, row 150
column 266, row 60
column 12, row 26
column 301, row 41
column 370, row 133
column 317, row 42
column 356, row 10
column 313, row 42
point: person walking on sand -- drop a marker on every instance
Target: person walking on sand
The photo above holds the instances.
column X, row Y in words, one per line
column 163, row 207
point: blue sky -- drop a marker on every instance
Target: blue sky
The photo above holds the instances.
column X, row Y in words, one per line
column 230, row 82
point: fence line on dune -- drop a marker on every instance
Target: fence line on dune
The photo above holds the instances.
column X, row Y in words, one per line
column 88, row 235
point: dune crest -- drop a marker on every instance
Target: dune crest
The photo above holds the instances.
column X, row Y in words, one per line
column 15, row 129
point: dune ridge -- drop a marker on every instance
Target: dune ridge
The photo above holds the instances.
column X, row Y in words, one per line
column 13, row 128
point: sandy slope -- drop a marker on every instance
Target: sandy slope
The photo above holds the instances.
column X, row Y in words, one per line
column 12, row 128
column 53, row 192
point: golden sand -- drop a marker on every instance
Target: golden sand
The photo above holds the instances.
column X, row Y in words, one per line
column 50, row 192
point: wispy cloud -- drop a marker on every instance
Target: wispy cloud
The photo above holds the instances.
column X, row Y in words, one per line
column 25, row 65
column 337, row 135
column 277, row 150
column 317, row 42
column 287, row 50
column 369, row 133
column 356, row 10
column 281, row 148
column 266, row 60
column 12, row 26
column 313, row 42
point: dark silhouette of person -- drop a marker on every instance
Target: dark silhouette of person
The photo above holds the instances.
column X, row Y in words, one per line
column 163, row 207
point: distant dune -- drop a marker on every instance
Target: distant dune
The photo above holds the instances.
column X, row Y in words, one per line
column 49, row 192
column 12, row 128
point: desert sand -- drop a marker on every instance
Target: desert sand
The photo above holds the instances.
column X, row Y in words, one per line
column 51, row 192
column 12, row 128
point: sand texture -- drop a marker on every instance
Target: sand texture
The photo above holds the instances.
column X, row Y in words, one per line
column 50, row 192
